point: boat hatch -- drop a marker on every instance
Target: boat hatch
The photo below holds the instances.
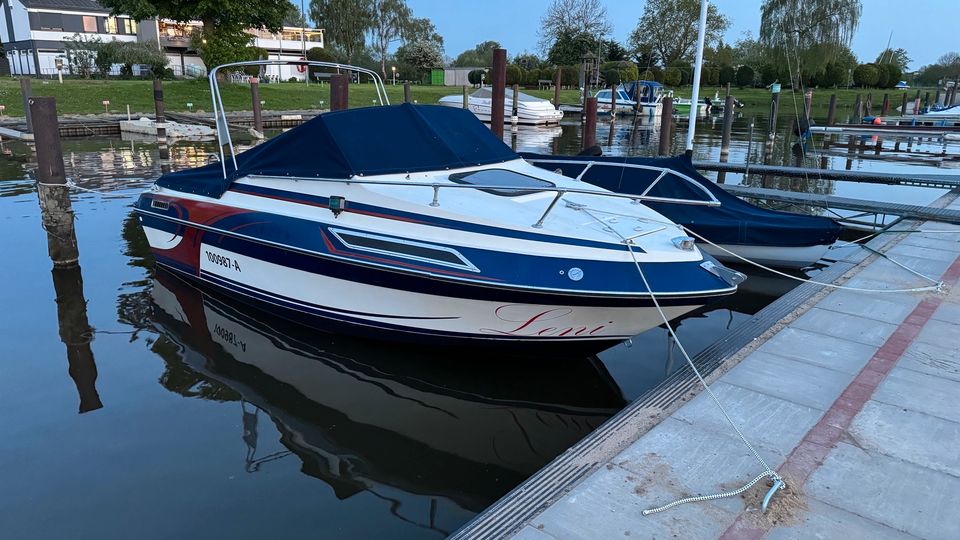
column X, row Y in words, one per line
column 406, row 249
column 510, row 180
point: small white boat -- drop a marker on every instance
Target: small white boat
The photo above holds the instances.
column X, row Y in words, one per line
column 625, row 105
column 175, row 130
column 530, row 110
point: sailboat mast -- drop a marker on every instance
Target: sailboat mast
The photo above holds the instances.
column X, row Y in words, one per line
column 695, row 98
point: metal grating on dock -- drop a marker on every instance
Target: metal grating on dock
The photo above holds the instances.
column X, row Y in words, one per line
column 556, row 478
column 906, row 211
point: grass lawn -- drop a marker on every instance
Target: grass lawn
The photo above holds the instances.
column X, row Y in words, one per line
column 85, row 96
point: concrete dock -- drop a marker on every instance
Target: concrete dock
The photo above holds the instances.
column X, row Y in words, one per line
column 852, row 397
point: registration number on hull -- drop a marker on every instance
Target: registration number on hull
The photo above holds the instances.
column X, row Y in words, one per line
column 222, row 260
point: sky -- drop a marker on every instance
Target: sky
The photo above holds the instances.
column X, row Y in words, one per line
column 514, row 24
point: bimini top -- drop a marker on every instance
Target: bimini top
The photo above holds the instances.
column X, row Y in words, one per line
column 358, row 142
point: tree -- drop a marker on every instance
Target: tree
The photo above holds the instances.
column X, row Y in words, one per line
column 626, row 71
column 223, row 20
column 834, row 74
column 672, row 77
column 808, row 32
column 670, row 26
column 566, row 17
column 897, row 57
column 721, row 55
column 423, row 55
column 224, row 46
column 345, row 22
column 865, row 75
column 81, row 54
column 883, row 76
column 613, row 51
column 422, row 29
column 570, row 47
column 727, row 75
column 294, row 16
column 527, row 60
column 390, row 20
column 745, row 76
column 748, row 51
column 479, row 56
column 946, row 67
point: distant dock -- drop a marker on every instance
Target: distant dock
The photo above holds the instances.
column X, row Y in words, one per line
column 850, row 396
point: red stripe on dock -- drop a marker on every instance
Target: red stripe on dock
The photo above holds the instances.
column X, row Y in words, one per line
column 809, row 455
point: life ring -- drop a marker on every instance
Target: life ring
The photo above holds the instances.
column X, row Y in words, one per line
column 302, row 67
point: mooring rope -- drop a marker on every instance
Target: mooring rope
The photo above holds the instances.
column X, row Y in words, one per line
column 778, row 482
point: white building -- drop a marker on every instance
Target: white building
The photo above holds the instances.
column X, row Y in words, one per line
column 33, row 33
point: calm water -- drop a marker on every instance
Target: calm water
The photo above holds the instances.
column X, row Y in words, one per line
column 132, row 404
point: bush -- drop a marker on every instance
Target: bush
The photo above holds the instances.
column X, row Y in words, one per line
column 745, row 76
column 865, row 75
column 832, row 75
column 570, row 76
column 648, row 75
column 883, row 76
column 626, row 71
column 530, row 77
column 514, row 75
column 768, row 74
column 711, row 77
column 475, row 76
column 320, row 54
column 672, row 76
column 293, row 79
column 255, row 53
column 728, row 75
column 611, row 77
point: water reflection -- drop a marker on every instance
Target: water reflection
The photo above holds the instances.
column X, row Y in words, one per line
column 402, row 424
column 76, row 333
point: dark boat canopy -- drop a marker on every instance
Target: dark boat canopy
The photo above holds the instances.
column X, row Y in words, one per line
column 358, row 142
column 734, row 222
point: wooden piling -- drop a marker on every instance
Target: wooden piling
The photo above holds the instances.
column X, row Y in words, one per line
column 590, row 123
column 832, row 109
column 56, row 211
column 666, row 119
column 406, row 92
column 857, row 110
column 936, row 98
column 903, row 106
column 499, row 78
column 772, row 118
column 25, row 92
column 613, row 102
column 160, row 120
column 557, row 80
column 466, row 98
column 514, row 109
column 339, row 91
column 727, row 125
column 807, row 104
column 886, row 105
column 869, row 105
column 926, row 100
column 255, row 96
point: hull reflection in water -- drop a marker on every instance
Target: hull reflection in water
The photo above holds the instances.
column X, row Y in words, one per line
column 417, row 430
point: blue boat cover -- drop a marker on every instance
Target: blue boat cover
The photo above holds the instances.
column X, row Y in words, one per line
column 734, row 222
column 358, row 142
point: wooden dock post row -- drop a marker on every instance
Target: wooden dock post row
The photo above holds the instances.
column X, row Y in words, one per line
column 160, row 120
column 831, row 109
column 339, row 91
column 666, row 130
column 590, row 123
column 255, row 96
column 498, row 79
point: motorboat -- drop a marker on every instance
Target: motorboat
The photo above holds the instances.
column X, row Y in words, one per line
column 681, row 106
column 415, row 222
column 649, row 95
column 624, row 105
column 769, row 237
column 398, row 423
column 530, row 110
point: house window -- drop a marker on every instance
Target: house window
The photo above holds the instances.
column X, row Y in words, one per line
column 129, row 26
column 110, row 24
column 89, row 24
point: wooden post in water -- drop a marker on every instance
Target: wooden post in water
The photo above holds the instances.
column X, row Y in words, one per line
column 772, row 118
column 857, row 110
column 886, row 105
column 406, row 92
column 56, row 211
column 727, row 125
column 339, row 91
column 807, row 104
column 160, row 120
column 514, row 112
column 903, row 106
column 466, row 98
column 255, row 97
column 590, row 123
column 25, row 92
column 728, row 88
column 613, row 101
column 666, row 118
column 869, row 105
column 832, row 109
column 936, row 98
column 926, row 100
column 557, row 80
column 499, row 78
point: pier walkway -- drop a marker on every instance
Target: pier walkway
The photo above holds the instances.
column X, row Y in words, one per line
column 852, row 398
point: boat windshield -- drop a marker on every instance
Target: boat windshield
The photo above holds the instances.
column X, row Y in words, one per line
column 513, row 183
